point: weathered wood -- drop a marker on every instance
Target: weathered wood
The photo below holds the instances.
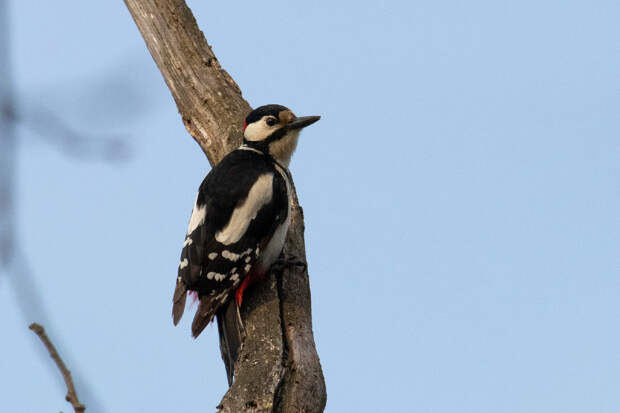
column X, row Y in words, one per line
column 208, row 99
column 259, row 370
column 303, row 388
column 278, row 368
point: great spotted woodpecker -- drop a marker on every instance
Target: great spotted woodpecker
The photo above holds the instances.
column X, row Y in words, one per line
column 240, row 217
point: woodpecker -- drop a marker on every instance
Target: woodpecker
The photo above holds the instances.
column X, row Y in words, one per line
column 241, row 216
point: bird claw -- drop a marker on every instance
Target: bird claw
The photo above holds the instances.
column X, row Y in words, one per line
column 240, row 320
column 287, row 262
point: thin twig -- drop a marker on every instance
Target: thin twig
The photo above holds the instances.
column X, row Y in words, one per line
column 71, row 396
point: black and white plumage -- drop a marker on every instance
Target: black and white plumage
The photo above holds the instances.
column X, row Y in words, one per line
column 240, row 217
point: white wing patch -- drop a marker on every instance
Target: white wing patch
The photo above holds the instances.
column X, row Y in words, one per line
column 260, row 194
column 198, row 216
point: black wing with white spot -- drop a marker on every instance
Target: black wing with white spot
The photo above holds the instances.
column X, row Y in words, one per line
column 239, row 205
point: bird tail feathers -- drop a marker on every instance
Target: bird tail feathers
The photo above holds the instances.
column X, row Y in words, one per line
column 232, row 332
column 178, row 301
column 204, row 314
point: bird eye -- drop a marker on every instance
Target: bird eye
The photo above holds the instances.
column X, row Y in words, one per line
column 271, row 121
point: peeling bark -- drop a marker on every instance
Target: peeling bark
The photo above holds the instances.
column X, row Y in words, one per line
column 278, row 369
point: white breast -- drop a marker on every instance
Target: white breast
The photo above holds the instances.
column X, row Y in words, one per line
column 274, row 247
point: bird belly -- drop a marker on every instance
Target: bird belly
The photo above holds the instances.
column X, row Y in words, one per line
column 274, row 246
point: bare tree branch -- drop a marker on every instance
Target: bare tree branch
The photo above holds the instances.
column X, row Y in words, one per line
column 8, row 145
column 278, row 369
column 208, row 99
column 71, row 396
column 14, row 264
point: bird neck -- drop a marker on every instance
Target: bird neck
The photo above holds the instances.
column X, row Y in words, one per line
column 279, row 147
column 261, row 148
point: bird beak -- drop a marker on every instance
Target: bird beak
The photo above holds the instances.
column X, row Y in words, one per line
column 302, row 122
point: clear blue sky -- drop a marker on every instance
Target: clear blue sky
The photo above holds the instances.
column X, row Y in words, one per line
column 461, row 196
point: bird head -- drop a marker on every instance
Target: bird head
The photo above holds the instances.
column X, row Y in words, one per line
column 274, row 130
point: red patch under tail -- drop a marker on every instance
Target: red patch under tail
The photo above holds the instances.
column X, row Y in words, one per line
column 252, row 278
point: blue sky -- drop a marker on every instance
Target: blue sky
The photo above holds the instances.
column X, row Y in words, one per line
column 461, row 196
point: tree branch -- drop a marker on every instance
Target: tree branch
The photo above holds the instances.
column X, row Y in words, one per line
column 71, row 396
column 278, row 368
column 208, row 99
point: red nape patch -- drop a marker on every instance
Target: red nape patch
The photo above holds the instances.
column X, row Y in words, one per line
column 245, row 124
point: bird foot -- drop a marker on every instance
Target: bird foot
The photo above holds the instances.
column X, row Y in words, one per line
column 240, row 321
column 287, row 261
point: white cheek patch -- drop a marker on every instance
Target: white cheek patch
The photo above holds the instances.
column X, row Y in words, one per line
column 260, row 194
column 259, row 130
